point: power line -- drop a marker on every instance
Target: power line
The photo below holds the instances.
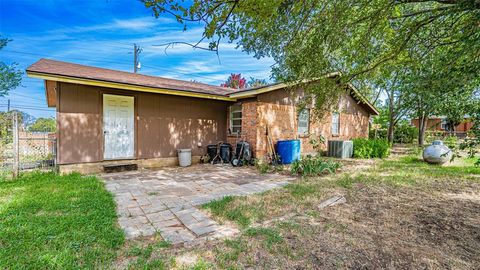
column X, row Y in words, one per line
column 115, row 62
column 33, row 109
column 25, row 96
column 68, row 58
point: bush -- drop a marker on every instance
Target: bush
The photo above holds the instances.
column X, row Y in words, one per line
column 402, row 134
column 451, row 142
column 405, row 134
column 368, row 148
column 309, row 165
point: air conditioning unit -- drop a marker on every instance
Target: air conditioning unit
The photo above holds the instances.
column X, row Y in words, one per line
column 340, row 149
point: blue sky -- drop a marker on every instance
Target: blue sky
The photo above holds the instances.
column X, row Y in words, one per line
column 101, row 33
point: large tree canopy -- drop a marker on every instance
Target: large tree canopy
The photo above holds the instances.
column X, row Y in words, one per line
column 312, row 38
column 433, row 44
column 10, row 76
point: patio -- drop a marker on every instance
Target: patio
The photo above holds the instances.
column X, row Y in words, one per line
column 166, row 200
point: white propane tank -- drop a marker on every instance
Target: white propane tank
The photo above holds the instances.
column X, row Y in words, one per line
column 437, row 153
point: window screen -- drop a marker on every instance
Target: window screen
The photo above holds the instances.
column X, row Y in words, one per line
column 236, row 119
column 303, row 121
column 335, row 123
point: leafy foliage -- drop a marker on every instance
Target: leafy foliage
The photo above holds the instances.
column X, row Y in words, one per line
column 43, row 125
column 235, row 81
column 317, row 142
column 309, row 166
column 253, row 82
column 10, row 76
column 371, row 148
column 404, row 133
column 410, row 50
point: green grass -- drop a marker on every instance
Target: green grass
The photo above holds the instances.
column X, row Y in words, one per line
column 48, row 221
column 224, row 207
column 300, row 190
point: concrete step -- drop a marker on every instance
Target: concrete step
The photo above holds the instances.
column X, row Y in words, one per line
column 120, row 167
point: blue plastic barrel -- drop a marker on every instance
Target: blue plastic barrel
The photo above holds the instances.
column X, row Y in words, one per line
column 289, row 151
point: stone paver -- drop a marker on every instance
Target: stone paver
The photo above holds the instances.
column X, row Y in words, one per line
column 165, row 200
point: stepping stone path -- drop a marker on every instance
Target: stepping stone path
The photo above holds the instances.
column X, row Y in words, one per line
column 166, row 201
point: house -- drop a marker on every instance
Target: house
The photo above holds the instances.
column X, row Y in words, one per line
column 111, row 117
column 439, row 123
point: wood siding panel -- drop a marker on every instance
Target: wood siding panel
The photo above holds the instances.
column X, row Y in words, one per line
column 79, row 124
column 163, row 123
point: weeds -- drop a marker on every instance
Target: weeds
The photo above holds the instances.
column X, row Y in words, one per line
column 224, row 207
column 299, row 190
column 309, row 166
column 271, row 236
column 371, row 148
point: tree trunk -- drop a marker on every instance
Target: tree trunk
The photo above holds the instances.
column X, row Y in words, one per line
column 390, row 131
column 423, row 120
column 391, row 121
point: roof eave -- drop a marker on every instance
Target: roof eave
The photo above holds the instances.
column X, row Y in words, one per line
column 93, row 82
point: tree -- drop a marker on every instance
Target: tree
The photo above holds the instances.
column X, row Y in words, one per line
column 235, row 81
column 10, row 76
column 308, row 39
column 6, row 123
column 253, row 82
column 43, row 125
column 457, row 106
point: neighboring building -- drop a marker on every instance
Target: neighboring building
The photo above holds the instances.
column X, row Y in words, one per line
column 439, row 123
column 110, row 117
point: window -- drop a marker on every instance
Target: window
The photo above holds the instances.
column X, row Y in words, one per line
column 443, row 125
column 303, row 121
column 236, row 119
column 335, row 123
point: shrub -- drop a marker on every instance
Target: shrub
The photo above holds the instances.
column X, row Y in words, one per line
column 451, row 142
column 402, row 134
column 309, row 165
column 405, row 134
column 368, row 148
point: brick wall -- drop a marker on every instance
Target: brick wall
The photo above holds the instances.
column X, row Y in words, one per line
column 436, row 124
column 277, row 110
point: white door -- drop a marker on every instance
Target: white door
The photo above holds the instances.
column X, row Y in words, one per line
column 118, row 127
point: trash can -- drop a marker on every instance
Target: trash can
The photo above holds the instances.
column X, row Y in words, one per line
column 184, row 157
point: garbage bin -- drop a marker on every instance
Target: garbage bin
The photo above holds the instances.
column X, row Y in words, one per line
column 185, row 157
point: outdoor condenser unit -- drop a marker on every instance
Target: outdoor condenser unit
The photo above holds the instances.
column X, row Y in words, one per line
column 340, row 149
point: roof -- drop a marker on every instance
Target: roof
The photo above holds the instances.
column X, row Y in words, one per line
column 52, row 71
column 357, row 96
column 59, row 68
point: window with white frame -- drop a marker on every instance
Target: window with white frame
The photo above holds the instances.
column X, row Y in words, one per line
column 443, row 125
column 303, row 121
column 335, row 123
column 236, row 119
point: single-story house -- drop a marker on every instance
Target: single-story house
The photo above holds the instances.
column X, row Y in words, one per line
column 111, row 117
column 439, row 123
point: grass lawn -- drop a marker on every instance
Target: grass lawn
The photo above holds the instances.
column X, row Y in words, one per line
column 49, row 221
column 400, row 213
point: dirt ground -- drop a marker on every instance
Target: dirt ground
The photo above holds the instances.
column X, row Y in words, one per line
column 397, row 216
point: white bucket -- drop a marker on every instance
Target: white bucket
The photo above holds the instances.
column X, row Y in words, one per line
column 185, row 157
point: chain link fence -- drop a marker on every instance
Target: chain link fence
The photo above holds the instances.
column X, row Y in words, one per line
column 22, row 150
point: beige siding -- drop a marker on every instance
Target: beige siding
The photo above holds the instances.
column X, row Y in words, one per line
column 163, row 123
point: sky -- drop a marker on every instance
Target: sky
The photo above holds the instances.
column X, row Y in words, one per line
column 101, row 33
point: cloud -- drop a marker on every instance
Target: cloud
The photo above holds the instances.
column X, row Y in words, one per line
column 135, row 24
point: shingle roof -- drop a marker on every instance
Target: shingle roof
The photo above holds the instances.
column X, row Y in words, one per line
column 70, row 70
column 53, row 67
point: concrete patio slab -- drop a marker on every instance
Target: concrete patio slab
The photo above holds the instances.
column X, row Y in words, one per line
column 166, row 201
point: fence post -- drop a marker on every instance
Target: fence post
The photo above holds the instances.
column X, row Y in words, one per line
column 15, row 145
